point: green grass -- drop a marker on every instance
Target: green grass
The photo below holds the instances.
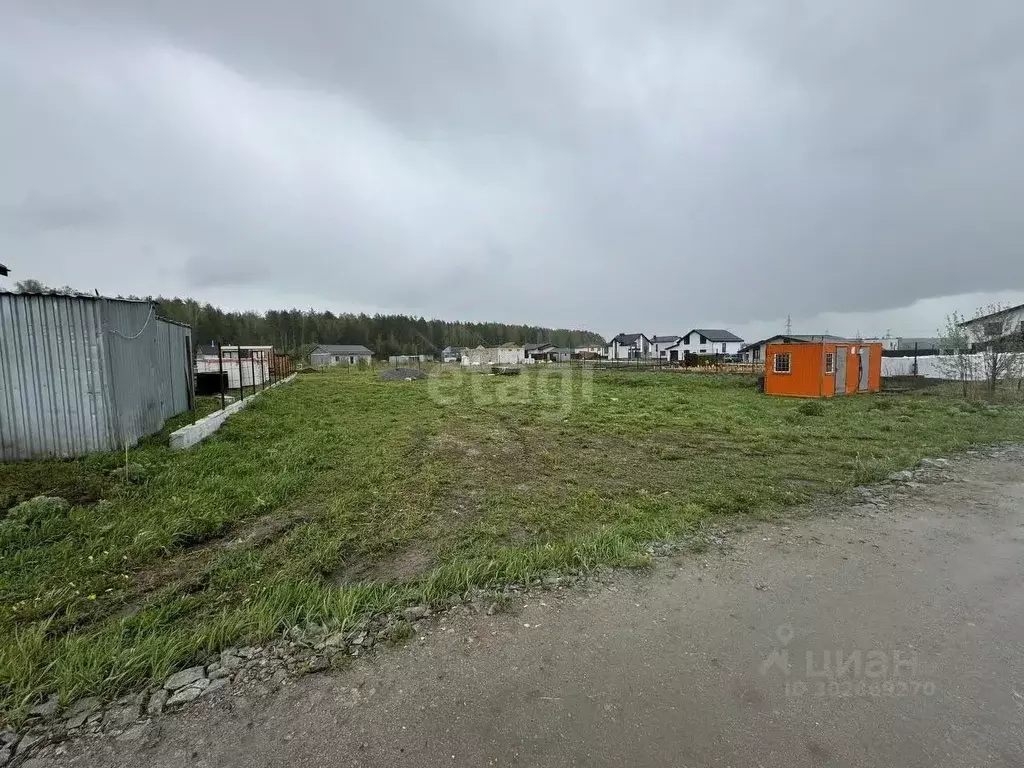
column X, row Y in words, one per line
column 340, row 495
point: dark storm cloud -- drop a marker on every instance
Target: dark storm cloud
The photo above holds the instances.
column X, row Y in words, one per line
column 640, row 165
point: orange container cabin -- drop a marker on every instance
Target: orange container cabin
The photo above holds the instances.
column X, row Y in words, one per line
column 822, row 369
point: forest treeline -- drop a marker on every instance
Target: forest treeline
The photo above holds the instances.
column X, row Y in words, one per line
column 297, row 331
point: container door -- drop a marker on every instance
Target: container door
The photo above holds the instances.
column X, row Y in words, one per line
column 841, row 355
column 865, row 361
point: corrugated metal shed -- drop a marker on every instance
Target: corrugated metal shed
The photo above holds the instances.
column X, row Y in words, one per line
column 80, row 374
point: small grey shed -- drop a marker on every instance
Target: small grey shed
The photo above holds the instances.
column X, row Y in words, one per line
column 340, row 354
column 80, row 373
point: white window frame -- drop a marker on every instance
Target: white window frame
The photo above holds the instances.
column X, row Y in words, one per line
column 830, row 362
column 789, row 362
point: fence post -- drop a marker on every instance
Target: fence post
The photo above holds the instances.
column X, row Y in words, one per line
column 252, row 369
column 220, row 379
column 238, row 365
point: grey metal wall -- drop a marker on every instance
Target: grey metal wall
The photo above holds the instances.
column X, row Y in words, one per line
column 150, row 368
column 81, row 374
column 54, row 388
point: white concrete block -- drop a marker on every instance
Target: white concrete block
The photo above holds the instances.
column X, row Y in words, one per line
column 195, row 433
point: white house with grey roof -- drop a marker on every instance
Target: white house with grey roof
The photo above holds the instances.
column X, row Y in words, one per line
column 996, row 327
column 667, row 347
column 451, row 354
column 629, row 346
column 538, row 350
column 711, row 341
column 339, row 354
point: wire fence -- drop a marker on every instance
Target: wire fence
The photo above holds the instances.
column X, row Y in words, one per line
column 703, row 364
column 228, row 369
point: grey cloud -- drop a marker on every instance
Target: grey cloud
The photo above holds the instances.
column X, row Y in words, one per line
column 35, row 215
column 615, row 165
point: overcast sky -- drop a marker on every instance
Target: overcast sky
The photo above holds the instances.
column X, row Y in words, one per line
column 633, row 165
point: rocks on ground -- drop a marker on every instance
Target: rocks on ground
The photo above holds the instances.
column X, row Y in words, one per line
column 184, row 677
column 157, row 702
column 402, row 374
column 315, row 648
column 247, row 670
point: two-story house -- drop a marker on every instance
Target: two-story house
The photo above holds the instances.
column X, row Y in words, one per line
column 996, row 327
column 711, row 341
column 667, row 347
column 629, row 346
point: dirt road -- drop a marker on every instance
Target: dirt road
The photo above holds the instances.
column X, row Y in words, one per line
column 721, row 659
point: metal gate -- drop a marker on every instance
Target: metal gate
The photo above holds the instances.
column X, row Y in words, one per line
column 840, row 370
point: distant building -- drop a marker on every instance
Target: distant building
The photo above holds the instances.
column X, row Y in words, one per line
column 324, row 355
column 506, row 354
column 451, row 354
column 910, row 346
column 887, row 343
column 996, row 327
column 560, row 355
column 711, row 341
column 81, row 374
column 407, row 359
column 234, row 351
column 538, row 350
column 233, row 366
column 756, row 352
column 629, row 346
column 237, row 366
column 667, row 347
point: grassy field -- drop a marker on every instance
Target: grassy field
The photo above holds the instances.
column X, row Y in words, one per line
column 340, row 494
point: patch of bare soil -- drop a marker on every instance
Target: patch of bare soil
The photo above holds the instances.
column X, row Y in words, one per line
column 473, row 451
column 402, row 374
column 399, row 566
column 183, row 572
column 518, row 536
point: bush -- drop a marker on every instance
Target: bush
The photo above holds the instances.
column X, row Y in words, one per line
column 130, row 473
column 811, row 408
column 38, row 510
column 34, row 522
